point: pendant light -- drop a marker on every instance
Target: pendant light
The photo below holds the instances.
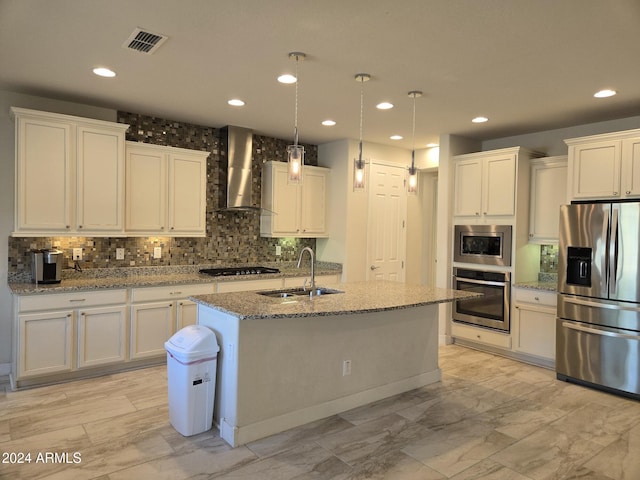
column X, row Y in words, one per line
column 295, row 152
column 359, row 173
column 412, row 184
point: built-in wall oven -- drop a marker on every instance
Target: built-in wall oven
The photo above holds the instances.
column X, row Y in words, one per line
column 482, row 244
column 492, row 309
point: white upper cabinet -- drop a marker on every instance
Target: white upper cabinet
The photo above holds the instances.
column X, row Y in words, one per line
column 69, row 175
column 485, row 184
column 605, row 166
column 294, row 210
column 548, row 192
column 165, row 190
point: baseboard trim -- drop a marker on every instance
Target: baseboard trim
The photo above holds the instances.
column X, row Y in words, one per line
column 236, row 436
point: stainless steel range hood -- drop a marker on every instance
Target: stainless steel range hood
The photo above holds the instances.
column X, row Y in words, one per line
column 236, row 178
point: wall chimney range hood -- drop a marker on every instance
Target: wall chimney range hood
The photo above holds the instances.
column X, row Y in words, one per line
column 236, row 178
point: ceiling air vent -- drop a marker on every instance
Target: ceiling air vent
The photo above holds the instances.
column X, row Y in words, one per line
column 144, row 41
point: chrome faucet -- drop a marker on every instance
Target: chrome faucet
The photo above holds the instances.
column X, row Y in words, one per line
column 313, row 266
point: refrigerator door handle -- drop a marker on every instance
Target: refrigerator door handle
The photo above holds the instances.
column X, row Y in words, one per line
column 607, row 306
column 613, row 252
column 596, row 331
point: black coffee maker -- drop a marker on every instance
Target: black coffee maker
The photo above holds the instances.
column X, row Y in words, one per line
column 46, row 266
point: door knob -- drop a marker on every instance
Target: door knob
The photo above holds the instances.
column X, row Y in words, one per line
column 373, row 267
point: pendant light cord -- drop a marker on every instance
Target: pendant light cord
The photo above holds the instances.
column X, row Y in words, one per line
column 413, row 144
column 361, row 117
column 295, row 118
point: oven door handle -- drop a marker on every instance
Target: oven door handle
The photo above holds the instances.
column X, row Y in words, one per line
column 480, row 282
column 579, row 327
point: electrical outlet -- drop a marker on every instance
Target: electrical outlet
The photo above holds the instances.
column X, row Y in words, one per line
column 278, row 250
column 157, row 252
column 346, row 368
column 77, row 254
column 119, row 253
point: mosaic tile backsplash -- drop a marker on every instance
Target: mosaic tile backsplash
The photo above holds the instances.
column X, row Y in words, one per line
column 232, row 236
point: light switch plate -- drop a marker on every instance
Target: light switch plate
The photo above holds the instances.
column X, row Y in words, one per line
column 157, row 252
column 119, row 253
column 278, row 250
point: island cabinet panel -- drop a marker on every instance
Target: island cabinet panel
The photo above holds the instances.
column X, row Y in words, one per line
column 277, row 373
column 605, row 166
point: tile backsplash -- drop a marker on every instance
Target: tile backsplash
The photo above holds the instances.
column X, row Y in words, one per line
column 232, row 236
column 549, row 258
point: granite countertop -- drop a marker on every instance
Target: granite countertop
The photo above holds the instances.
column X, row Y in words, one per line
column 357, row 297
column 112, row 278
column 537, row 285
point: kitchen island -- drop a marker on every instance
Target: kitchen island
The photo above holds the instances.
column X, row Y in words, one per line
column 288, row 361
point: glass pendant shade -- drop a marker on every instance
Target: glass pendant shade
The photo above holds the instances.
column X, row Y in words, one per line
column 295, row 154
column 412, row 183
column 359, row 175
column 359, row 165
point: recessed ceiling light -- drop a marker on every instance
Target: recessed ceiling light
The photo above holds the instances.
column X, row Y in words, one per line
column 104, row 72
column 384, row 106
column 328, row 123
column 605, row 93
column 287, row 78
column 480, row 120
column 432, row 145
column 236, row 102
column 396, row 137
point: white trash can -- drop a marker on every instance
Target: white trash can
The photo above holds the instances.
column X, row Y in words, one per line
column 191, row 377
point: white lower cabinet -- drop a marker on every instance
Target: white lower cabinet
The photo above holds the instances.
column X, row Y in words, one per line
column 157, row 313
column 45, row 343
column 60, row 333
column 534, row 323
column 152, row 324
column 101, row 335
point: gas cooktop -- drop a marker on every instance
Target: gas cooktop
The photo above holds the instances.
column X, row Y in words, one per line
column 226, row 271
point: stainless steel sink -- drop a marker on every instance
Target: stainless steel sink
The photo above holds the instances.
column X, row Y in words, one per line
column 299, row 292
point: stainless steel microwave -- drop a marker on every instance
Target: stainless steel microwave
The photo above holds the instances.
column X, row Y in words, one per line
column 482, row 244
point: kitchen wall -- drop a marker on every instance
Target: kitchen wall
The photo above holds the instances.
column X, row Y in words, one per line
column 232, row 237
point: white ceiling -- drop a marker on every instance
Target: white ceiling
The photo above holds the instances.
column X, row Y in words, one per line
column 528, row 65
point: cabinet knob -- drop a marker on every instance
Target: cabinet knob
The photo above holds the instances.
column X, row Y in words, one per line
column 628, row 192
column 484, row 213
column 537, row 299
column 615, row 194
column 79, row 226
column 531, row 235
column 477, row 214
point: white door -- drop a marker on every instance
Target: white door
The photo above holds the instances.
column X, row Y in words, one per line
column 386, row 223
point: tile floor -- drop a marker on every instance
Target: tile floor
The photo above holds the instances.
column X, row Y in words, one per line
column 490, row 418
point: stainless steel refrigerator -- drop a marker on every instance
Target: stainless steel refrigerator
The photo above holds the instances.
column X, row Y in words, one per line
column 598, row 325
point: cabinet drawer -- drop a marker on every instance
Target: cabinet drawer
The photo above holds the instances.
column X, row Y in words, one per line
column 55, row 301
column 536, row 297
column 170, row 292
column 481, row 335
